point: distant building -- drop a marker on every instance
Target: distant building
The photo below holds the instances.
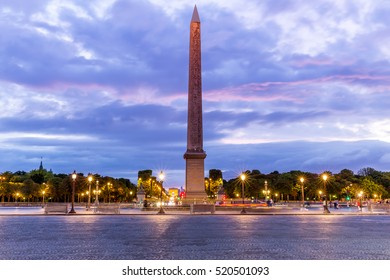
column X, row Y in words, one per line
column 173, row 192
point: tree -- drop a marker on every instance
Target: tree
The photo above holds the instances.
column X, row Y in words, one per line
column 368, row 171
column 11, row 189
column 370, row 188
column 145, row 180
column 40, row 175
column 38, row 178
column 253, row 183
column 229, row 187
column 129, row 190
column 346, row 174
column 214, row 181
column 53, row 188
column 283, row 183
column 30, row 189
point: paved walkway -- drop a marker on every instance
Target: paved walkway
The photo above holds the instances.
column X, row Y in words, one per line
column 221, row 211
column 126, row 237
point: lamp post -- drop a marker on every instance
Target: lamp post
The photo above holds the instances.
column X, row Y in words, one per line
column 89, row 191
column 303, row 191
column 360, row 201
column 243, row 177
column 326, row 210
column 74, row 176
column 43, row 198
column 108, row 188
column 97, row 194
column 161, row 176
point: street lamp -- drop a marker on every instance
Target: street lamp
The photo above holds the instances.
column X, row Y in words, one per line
column 326, row 210
column 74, row 176
column 303, row 192
column 108, row 188
column 161, row 176
column 43, row 198
column 97, row 194
column 242, row 192
column 360, row 200
column 89, row 191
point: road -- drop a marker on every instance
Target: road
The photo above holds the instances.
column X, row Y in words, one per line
column 268, row 237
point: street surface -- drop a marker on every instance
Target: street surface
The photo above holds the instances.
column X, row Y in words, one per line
column 271, row 237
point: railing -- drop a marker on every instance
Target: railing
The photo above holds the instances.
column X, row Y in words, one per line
column 21, row 204
column 379, row 207
column 56, row 208
column 107, row 208
column 202, row 208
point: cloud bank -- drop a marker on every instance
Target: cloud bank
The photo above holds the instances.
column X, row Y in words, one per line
column 100, row 86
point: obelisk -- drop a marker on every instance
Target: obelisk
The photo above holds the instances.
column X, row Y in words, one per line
column 195, row 154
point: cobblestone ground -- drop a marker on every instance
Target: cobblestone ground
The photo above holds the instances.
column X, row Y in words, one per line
column 194, row 237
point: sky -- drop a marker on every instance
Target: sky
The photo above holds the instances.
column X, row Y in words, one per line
column 101, row 86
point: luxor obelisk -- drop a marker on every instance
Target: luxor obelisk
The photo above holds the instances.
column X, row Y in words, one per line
column 195, row 154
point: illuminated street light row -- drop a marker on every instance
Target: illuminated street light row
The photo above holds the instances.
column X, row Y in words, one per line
column 302, row 180
column 74, row 176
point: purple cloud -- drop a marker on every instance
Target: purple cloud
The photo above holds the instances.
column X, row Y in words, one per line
column 101, row 86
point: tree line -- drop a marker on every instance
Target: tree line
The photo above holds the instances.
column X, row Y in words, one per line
column 372, row 184
column 40, row 184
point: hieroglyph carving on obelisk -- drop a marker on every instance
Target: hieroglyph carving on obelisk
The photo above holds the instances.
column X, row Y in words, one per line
column 195, row 154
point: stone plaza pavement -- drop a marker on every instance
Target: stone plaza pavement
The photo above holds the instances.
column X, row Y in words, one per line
column 276, row 210
column 140, row 236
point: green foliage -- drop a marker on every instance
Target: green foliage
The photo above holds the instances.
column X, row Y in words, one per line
column 58, row 187
column 214, row 182
column 38, row 178
column 229, row 187
column 370, row 188
column 215, row 174
column 340, row 185
column 145, row 175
